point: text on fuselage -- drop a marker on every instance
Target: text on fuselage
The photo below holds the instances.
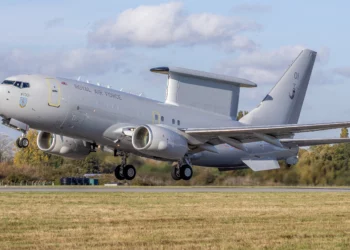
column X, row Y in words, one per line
column 98, row 92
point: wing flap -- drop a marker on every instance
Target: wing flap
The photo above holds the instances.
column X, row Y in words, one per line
column 261, row 164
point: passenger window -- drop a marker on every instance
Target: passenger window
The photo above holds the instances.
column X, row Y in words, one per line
column 156, row 117
column 25, row 85
column 178, row 122
column 17, row 84
column 173, row 121
column 162, row 118
column 8, row 82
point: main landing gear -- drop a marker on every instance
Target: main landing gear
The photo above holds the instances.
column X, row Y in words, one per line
column 124, row 171
column 22, row 142
column 182, row 171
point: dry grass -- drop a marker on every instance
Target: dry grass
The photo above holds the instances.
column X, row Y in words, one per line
column 174, row 220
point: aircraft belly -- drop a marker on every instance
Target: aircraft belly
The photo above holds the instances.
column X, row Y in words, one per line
column 222, row 159
column 230, row 157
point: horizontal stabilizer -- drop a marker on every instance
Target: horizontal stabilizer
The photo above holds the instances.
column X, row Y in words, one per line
column 261, row 164
column 312, row 142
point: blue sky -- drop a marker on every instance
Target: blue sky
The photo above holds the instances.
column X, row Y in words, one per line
column 117, row 42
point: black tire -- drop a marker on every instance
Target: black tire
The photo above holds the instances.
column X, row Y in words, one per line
column 175, row 173
column 118, row 174
column 129, row 172
column 18, row 143
column 186, row 172
column 24, row 142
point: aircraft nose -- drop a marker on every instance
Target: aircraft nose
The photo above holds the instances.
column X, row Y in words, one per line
column 2, row 96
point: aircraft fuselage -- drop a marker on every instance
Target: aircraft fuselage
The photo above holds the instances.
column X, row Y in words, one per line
column 85, row 111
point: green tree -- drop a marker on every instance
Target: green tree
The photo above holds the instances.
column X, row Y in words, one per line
column 31, row 155
column 344, row 133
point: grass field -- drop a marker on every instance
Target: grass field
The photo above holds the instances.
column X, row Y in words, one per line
column 175, row 220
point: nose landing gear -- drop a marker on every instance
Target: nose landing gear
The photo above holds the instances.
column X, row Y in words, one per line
column 22, row 142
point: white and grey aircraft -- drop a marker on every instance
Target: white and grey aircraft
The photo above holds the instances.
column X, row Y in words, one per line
column 195, row 125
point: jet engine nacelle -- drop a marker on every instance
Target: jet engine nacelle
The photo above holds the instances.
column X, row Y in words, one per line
column 63, row 145
column 160, row 142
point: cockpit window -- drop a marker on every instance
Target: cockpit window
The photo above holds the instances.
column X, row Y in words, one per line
column 17, row 84
column 8, row 82
column 25, row 85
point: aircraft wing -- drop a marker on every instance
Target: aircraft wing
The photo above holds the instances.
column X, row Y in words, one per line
column 312, row 142
column 269, row 133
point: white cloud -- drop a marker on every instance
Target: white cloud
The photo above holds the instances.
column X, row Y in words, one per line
column 261, row 66
column 62, row 63
column 251, row 7
column 323, row 55
column 165, row 24
column 55, row 22
column 266, row 67
column 343, row 71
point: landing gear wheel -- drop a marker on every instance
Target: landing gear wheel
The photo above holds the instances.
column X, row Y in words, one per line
column 118, row 173
column 18, row 143
column 186, row 172
column 24, row 142
column 129, row 172
column 175, row 173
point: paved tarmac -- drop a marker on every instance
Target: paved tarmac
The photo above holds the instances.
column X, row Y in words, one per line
column 102, row 189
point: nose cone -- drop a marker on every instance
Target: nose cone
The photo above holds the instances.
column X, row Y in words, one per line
column 6, row 96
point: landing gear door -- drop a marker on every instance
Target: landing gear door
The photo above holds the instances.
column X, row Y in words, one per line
column 54, row 94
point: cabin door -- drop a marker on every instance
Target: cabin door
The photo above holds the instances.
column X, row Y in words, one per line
column 54, row 93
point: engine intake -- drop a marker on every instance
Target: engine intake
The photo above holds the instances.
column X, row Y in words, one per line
column 63, row 145
column 142, row 138
column 160, row 142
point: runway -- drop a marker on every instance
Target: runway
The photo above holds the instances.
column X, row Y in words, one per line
column 89, row 189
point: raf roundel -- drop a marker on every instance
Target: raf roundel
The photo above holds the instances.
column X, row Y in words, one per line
column 23, row 101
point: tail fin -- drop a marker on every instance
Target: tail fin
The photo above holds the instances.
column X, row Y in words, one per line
column 283, row 104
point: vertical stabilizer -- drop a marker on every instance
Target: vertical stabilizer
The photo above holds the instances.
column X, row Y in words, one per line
column 283, row 104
